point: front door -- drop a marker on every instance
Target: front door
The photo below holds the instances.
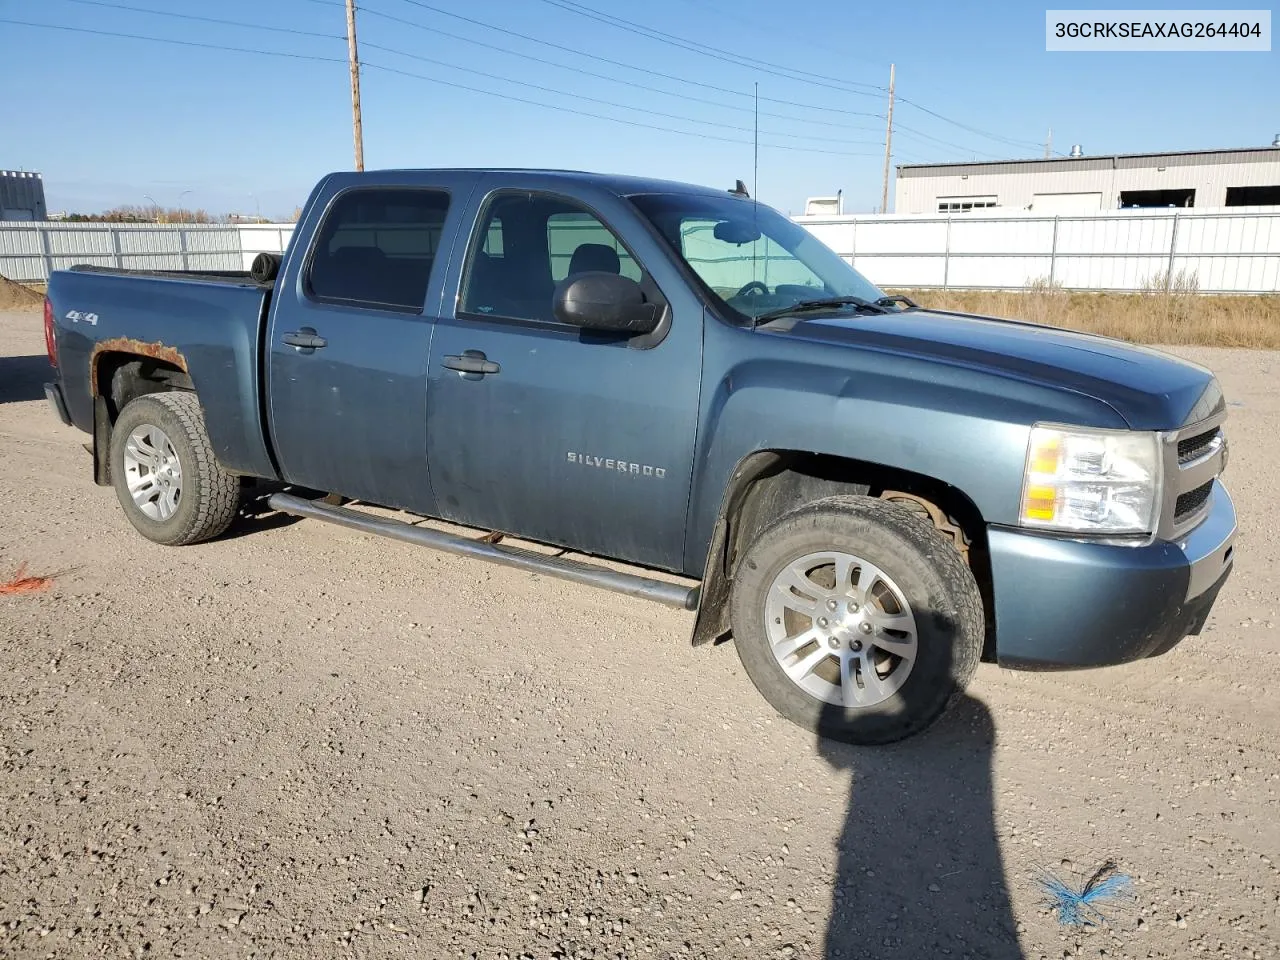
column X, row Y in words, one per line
column 546, row 431
column 349, row 340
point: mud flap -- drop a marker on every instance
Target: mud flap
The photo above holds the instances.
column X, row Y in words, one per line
column 101, row 442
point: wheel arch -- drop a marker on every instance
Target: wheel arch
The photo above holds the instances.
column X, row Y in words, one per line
column 121, row 376
column 121, row 371
column 766, row 484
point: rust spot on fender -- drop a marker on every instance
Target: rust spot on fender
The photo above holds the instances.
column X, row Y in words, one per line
column 138, row 348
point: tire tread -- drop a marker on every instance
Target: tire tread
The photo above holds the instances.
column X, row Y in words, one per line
column 216, row 492
column 950, row 573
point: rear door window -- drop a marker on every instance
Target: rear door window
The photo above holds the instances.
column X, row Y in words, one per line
column 376, row 248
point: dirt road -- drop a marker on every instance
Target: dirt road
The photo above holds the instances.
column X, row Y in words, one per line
column 300, row 741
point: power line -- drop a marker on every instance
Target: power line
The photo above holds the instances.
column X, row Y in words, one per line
column 586, row 11
column 597, row 116
column 649, row 71
column 326, row 36
column 573, row 6
column 728, row 56
column 913, row 133
column 607, row 103
column 481, row 73
column 368, row 11
column 772, row 26
column 180, row 43
column 192, row 16
column 976, row 130
column 417, row 76
column 444, row 33
column 908, row 157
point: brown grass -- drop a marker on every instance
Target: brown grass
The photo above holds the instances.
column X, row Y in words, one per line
column 1178, row 317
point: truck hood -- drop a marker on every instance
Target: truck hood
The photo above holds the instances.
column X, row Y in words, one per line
column 1149, row 389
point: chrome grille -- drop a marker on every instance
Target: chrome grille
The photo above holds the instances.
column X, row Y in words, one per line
column 1194, row 458
column 1191, row 501
column 1192, row 448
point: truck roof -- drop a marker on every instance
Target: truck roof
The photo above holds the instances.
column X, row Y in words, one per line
column 621, row 184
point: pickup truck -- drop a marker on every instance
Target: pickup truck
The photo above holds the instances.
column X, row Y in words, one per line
column 866, row 496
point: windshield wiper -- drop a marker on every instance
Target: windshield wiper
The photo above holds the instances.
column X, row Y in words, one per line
column 907, row 302
column 827, row 303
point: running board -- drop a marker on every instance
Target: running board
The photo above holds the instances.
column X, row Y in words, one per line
column 671, row 594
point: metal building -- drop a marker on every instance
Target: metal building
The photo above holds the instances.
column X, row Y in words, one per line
column 21, row 195
column 1081, row 184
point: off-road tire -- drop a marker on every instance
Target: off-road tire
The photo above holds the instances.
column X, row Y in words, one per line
column 210, row 496
column 938, row 585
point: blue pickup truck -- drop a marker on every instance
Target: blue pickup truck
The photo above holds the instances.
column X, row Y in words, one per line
column 867, row 496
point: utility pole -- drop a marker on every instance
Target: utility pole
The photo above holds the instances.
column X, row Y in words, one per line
column 357, row 130
column 888, row 146
column 1048, row 145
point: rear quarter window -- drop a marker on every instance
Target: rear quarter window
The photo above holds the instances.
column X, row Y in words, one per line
column 377, row 247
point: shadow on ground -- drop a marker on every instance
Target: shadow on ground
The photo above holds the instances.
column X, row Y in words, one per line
column 256, row 517
column 919, row 869
column 23, row 378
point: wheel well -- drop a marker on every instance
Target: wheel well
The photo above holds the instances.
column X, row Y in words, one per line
column 122, row 377
column 116, row 378
column 771, row 483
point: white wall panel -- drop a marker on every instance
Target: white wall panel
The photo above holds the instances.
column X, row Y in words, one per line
column 1227, row 250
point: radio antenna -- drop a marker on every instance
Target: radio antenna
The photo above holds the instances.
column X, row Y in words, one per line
column 755, row 168
column 755, row 172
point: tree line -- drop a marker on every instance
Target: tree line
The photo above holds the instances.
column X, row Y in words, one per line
column 145, row 214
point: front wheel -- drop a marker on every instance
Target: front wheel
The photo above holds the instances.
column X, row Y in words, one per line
column 172, row 488
column 855, row 619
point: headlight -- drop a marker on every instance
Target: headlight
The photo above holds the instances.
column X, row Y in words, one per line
column 1091, row 481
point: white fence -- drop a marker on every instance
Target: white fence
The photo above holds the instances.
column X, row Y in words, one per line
column 256, row 238
column 1227, row 251
column 30, row 251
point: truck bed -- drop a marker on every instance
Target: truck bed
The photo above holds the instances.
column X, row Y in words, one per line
column 208, row 324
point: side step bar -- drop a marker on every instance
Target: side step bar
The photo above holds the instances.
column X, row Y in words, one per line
column 671, row 594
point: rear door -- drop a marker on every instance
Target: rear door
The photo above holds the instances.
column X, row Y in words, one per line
column 349, row 338
column 555, row 433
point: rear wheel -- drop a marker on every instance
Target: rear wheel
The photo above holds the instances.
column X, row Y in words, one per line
column 857, row 620
column 172, row 488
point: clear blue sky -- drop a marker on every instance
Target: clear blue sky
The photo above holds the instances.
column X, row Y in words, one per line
column 108, row 119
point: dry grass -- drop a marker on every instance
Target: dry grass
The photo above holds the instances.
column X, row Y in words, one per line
column 1154, row 316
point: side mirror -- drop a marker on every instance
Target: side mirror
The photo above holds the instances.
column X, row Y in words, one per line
column 604, row 301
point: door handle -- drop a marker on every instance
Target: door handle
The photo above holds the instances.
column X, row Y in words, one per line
column 471, row 361
column 304, row 339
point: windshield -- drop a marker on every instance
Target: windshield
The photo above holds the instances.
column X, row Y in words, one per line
column 753, row 259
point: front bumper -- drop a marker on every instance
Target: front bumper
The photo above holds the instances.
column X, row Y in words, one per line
column 1062, row 603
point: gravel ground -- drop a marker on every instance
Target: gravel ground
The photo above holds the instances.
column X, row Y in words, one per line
column 301, row 741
